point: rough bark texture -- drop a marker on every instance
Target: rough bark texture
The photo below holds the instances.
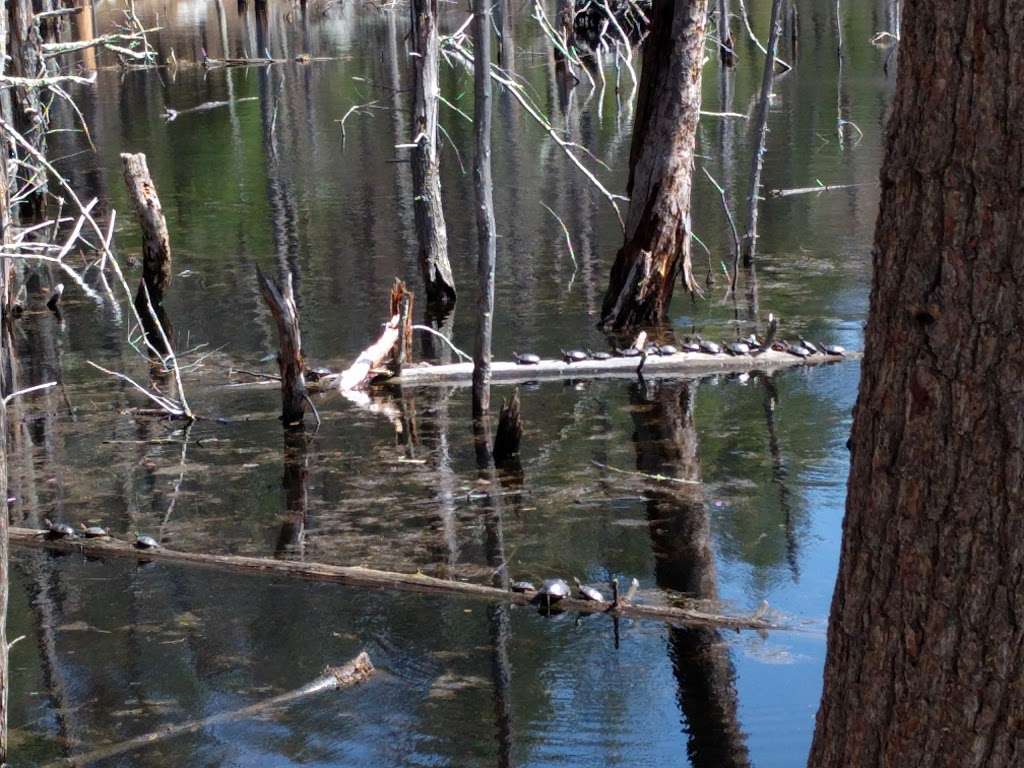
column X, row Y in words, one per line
column 27, row 61
column 925, row 661
column 289, row 355
column 4, row 581
column 482, row 188
column 156, row 247
column 426, row 176
column 725, row 46
column 657, row 239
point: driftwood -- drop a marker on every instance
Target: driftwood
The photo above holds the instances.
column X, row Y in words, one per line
column 289, row 356
column 681, row 364
column 369, row 577
column 820, row 188
column 334, row 678
column 258, row 62
column 206, row 106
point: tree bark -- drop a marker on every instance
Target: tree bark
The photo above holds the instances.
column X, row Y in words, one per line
column 289, row 356
column 925, row 663
column 426, row 175
column 482, row 187
column 156, row 248
column 657, row 237
column 4, row 581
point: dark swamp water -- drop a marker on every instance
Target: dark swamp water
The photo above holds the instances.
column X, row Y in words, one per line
column 113, row 650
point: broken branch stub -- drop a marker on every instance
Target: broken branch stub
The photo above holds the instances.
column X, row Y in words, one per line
column 289, row 355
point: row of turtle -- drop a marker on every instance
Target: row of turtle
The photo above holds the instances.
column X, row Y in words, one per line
column 553, row 590
column 55, row 531
column 750, row 345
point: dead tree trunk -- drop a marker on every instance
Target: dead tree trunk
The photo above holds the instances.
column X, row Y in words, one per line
column 725, row 45
column 426, row 174
column 767, row 83
column 657, row 237
column 27, row 61
column 509, row 434
column 289, row 355
column 925, row 663
column 4, row 579
column 156, row 249
column 482, row 187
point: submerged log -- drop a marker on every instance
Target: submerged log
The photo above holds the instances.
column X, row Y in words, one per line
column 289, row 355
column 368, row 577
column 352, row 673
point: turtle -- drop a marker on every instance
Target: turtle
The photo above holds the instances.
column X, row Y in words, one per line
column 527, row 358
column 628, row 352
column 58, row 530
column 797, row 349
column 588, row 593
column 652, row 349
column 522, row 586
column 833, row 349
column 809, row 346
column 691, row 346
column 574, row 355
column 142, row 541
column 551, row 591
column 320, row 372
column 738, row 348
column 752, row 341
column 599, row 355
column 668, row 349
column 94, row 531
column 709, row 347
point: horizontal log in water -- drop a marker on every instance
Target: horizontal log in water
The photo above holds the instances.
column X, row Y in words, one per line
column 683, row 363
column 334, row 678
column 369, row 577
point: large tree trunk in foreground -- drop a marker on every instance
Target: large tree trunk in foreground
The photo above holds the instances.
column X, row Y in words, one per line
column 657, row 241
column 925, row 659
column 426, row 173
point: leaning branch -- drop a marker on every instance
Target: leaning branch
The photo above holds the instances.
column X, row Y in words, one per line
column 334, row 678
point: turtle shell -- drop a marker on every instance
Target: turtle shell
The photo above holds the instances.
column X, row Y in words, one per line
column 599, row 355
column 739, row 348
column 553, row 589
column 315, row 374
column 574, row 355
column 710, row 347
column 667, row 349
column 527, row 358
column 522, row 586
column 834, row 349
column 59, row 530
column 143, row 541
column 628, row 352
column 94, row 531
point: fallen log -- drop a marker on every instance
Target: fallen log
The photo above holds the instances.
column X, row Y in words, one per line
column 357, row 375
column 334, row 678
column 682, row 363
column 370, row 577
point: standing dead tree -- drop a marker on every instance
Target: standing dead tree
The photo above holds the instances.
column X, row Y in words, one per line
column 482, row 188
column 29, row 116
column 757, row 162
column 657, row 234
column 289, row 356
column 426, row 175
column 156, row 250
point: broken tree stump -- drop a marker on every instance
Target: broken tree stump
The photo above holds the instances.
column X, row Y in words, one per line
column 510, row 432
column 289, row 354
column 156, row 250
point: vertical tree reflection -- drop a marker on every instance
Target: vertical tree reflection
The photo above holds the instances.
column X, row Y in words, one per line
column 666, row 444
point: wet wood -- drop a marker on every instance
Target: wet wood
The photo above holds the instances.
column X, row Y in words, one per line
column 370, row 360
column 289, row 355
column 352, row 673
column 4, row 579
column 510, row 431
column 681, row 364
column 369, row 577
